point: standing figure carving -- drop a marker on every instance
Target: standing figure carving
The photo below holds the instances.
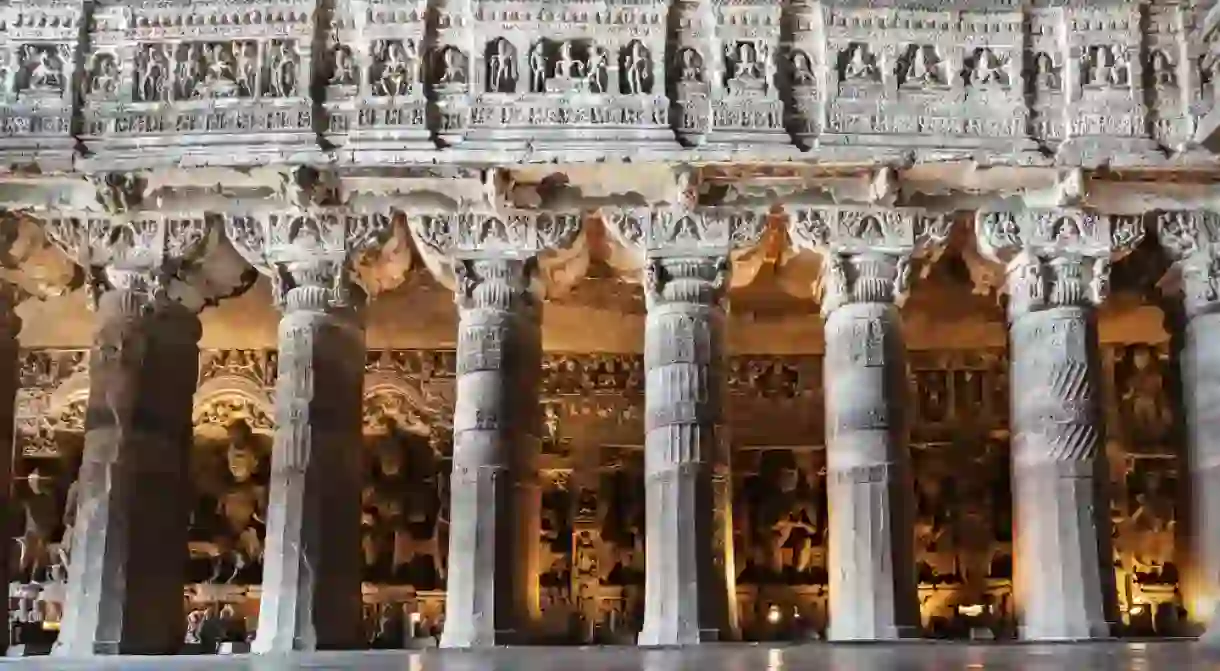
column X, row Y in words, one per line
column 41, row 511
column 242, row 507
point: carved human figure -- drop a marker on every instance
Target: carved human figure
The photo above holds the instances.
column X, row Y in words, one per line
column 861, row 66
column 690, row 69
column 924, row 67
column 283, row 70
column 637, row 64
column 343, row 69
column 987, row 69
column 567, row 67
column 394, row 78
column 537, row 65
column 802, row 69
column 1046, row 74
column 502, row 67
column 1163, row 73
column 453, row 66
column 243, row 505
column 41, row 511
column 104, row 78
column 246, row 67
column 45, row 72
column 188, row 75
column 1120, row 73
column 1144, row 394
column 747, row 63
column 595, row 70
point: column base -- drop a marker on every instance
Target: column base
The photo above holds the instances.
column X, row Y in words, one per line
column 886, row 635
column 1096, row 631
column 469, row 640
column 655, row 638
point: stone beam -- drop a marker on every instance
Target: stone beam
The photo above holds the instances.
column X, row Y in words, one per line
column 1057, row 270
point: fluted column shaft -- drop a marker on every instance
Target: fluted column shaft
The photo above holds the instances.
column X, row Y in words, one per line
column 868, row 474
column 1061, row 527
column 492, row 588
column 311, row 577
column 685, row 597
column 126, row 571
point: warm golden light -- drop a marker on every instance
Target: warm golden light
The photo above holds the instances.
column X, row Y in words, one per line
column 773, row 615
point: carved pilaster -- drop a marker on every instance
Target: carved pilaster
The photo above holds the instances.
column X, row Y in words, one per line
column 1057, row 266
column 495, row 261
column 867, row 255
column 1191, row 240
column 10, row 326
column 686, row 257
column 128, row 547
column 311, row 578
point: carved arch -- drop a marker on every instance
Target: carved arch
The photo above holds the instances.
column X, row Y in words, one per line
column 66, row 407
column 224, row 399
column 400, row 400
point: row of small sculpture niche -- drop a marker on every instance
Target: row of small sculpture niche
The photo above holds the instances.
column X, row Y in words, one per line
column 200, row 70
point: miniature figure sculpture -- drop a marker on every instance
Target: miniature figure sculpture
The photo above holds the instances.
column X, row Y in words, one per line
column 637, row 68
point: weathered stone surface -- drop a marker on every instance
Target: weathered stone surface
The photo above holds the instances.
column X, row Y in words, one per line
column 492, row 591
column 128, row 549
column 1058, row 271
column 866, row 274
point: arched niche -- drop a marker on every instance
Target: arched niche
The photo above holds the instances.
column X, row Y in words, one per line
column 225, row 399
column 399, row 402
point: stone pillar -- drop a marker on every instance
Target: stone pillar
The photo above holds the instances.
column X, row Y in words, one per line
column 311, row 596
column 492, row 587
column 1057, row 265
column 684, row 599
column 1062, row 527
column 867, row 255
column 1188, row 239
column 868, row 472
column 10, row 382
column 126, row 571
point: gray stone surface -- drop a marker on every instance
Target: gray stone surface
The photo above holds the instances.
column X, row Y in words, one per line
column 492, row 588
column 685, row 598
column 128, row 550
column 1058, row 272
column 1176, row 656
column 868, row 473
column 311, row 566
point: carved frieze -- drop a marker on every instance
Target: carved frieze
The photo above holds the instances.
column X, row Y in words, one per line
column 1189, row 239
column 38, row 63
column 212, row 82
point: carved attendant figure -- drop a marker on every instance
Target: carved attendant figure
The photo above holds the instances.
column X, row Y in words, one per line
column 538, row 67
column 453, row 70
column 802, row 69
column 244, row 505
column 502, row 68
column 595, row 70
column 638, row 64
column 860, row 66
column 567, row 67
column 691, row 71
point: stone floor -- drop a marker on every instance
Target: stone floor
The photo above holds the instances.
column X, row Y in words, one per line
column 1126, row 656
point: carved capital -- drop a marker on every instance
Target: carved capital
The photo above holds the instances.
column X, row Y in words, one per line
column 847, row 230
column 864, row 277
column 1038, row 283
column 1004, row 236
column 496, row 284
column 1057, row 257
column 696, row 280
column 679, row 230
column 310, row 254
column 1191, row 240
column 553, row 239
column 151, row 253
